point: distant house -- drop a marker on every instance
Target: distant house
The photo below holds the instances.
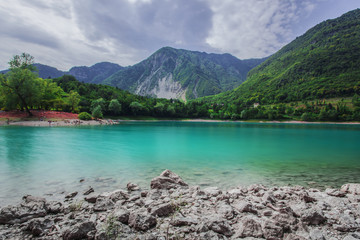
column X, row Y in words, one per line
column 256, row 105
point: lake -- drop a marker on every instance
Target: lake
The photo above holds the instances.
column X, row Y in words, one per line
column 51, row 160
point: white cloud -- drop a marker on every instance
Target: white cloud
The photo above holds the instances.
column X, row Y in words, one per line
column 254, row 28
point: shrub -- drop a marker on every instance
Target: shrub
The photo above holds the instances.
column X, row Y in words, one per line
column 84, row 116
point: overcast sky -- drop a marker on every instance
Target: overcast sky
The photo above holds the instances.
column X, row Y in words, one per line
column 83, row 32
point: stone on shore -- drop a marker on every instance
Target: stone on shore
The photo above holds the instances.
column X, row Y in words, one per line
column 167, row 180
column 172, row 210
column 352, row 188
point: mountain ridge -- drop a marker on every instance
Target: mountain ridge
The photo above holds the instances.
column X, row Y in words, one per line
column 322, row 63
column 179, row 73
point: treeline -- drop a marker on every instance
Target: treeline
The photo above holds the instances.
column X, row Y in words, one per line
column 20, row 88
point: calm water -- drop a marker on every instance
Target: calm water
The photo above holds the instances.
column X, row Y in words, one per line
column 41, row 160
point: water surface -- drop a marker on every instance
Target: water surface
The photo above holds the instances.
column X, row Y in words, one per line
column 52, row 160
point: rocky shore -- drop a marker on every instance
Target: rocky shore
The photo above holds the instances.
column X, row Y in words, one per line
column 173, row 210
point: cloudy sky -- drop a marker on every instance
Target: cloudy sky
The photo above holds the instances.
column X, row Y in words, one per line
column 83, row 32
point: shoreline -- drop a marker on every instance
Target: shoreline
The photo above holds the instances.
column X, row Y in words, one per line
column 76, row 122
column 171, row 209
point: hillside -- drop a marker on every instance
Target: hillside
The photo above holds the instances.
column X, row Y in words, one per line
column 93, row 74
column 176, row 73
column 322, row 63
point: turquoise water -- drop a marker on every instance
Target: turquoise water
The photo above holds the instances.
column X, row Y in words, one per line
column 52, row 160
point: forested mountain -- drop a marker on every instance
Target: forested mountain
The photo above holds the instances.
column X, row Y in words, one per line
column 322, row 63
column 94, row 74
column 176, row 73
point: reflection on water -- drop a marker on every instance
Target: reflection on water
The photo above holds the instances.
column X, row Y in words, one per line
column 53, row 160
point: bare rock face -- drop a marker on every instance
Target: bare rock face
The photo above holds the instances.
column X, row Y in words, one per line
column 167, row 180
column 352, row 188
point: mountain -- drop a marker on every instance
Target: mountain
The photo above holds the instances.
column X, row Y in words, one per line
column 94, row 74
column 182, row 74
column 322, row 63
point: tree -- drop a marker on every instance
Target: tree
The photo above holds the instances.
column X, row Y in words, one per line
column 97, row 113
column 73, row 100
column 19, row 85
column 115, row 107
column 136, row 107
column 98, row 102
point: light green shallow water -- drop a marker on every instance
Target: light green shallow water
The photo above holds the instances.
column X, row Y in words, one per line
column 41, row 160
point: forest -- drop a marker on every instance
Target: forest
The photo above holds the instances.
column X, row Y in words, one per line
column 22, row 89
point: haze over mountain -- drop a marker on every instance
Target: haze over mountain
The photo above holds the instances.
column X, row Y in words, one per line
column 322, row 63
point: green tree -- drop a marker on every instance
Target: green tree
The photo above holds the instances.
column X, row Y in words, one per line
column 73, row 100
column 51, row 94
column 159, row 108
column 97, row 113
column 136, row 107
column 98, row 102
column 19, row 85
column 115, row 107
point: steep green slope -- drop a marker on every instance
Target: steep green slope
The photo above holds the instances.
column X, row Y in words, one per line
column 322, row 63
column 176, row 73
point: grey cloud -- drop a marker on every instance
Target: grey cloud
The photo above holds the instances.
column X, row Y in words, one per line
column 15, row 28
column 145, row 25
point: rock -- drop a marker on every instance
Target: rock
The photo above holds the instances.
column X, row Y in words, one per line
column 271, row 230
column 350, row 237
column 119, row 195
column 316, row 234
column 103, row 204
column 32, row 207
column 293, row 236
column 167, row 180
column 91, row 198
column 37, row 226
column 163, row 210
column 353, row 188
column 122, row 215
column 54, row 207
column 71, row 195
column 132, row 187
column 212, row 191
column 222, row 227
column 313, row 216
column 268, row 198
column 225, row 210
column 249, row 227
column 144, row 194
column 87, row 192
column 79, row 231
column 183, row 221
column 141, row 221
column 244, row 206
column 334, row 192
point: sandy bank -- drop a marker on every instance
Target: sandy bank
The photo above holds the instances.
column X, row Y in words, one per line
column 173, row 210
